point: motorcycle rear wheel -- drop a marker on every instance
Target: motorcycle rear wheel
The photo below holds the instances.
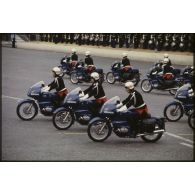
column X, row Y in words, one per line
column 63, row 120
column 99, row 131
column 153, row 137
column 146, row 86
column 110, row 78
column 27, row 110
column 73, row 78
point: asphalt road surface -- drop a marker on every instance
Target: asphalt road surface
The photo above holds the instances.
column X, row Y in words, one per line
column 38, row 140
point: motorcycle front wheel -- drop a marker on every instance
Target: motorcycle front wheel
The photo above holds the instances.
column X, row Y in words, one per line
column 191, row 120
column 153, row 137
column 27, row 110
column 99, row 131
column 110, row 78
column 173, row 112
column 63, row 119
column 146, row 86
column 73, row 78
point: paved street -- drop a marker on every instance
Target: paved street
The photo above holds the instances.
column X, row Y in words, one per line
column 38, row 140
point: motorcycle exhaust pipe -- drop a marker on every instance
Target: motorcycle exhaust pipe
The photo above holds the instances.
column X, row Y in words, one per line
column 154, row 132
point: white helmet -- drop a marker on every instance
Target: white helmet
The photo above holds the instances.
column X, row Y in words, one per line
column 74, row 50
column 124, row 54
column 166, row 60
column 87, row 53
column 129, row 85
column 166, row 55
column 95, row 76
column 56, row 70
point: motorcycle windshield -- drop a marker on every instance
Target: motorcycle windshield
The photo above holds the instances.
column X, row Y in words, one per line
column 36, row 88
column 110, row 105
column 73, row 95
column 183, row 91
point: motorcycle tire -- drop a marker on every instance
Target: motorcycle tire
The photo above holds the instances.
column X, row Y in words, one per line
column 73, row 78
column 147, row 83
column 58, row 119
column 27, row 115
column 110, row 78
column 170, row 112
column 153, row 137
column 191, row 120
column 99, row 135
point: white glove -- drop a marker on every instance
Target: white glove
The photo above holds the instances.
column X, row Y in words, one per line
column 122, row 109
column 119, row 105
column 81, row 94
column 84, row 97
column 45, row 89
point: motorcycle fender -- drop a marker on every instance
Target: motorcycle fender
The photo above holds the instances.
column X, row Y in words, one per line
column 28, row 100
column 60, row 109
column 95, row 119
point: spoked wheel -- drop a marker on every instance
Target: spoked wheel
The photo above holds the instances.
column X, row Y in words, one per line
column 110, row 78
column 173, row 112
column 146, row 86
column 191, row 120
column 153, row 137
column 63, row 119
column 99, row 131
column 73, row 78
column 27, row 110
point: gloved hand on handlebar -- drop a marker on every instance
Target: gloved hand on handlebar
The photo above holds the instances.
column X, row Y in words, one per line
column 84, row 97
column 122, row 109
column 81, row 94
column 45, row 89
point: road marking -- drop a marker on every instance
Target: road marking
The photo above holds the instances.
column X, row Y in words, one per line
column 188, row 145
column 15, row 98
column 74, row 133
column 186, row 134
column 179, row 137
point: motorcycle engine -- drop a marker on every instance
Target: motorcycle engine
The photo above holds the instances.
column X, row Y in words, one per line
column 84, row 119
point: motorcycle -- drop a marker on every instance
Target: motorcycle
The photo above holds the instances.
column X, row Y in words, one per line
column 67, row 66
column 128, row 75
column 80, row 74
column 191, row 120
column 74, row 110
column 27, row 109
column 183, row 104
column 175, row 43
column 159, row 42
column 183, row 43
column 156, row 81
column 150, row 129
column 144, row 41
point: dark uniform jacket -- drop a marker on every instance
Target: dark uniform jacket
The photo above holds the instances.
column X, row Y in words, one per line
column 57, row 84
column 125, row 61
column 74, row 57
column 89, row 61
column 134, row 99
column 95, row 90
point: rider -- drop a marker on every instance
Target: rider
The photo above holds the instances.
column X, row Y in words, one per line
column 58, row 85
column 89, row 62
column 140, row 109
column 95, row 90
column 126, row 66
column 167, row 69
column 74, row 57
column 166, row 56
